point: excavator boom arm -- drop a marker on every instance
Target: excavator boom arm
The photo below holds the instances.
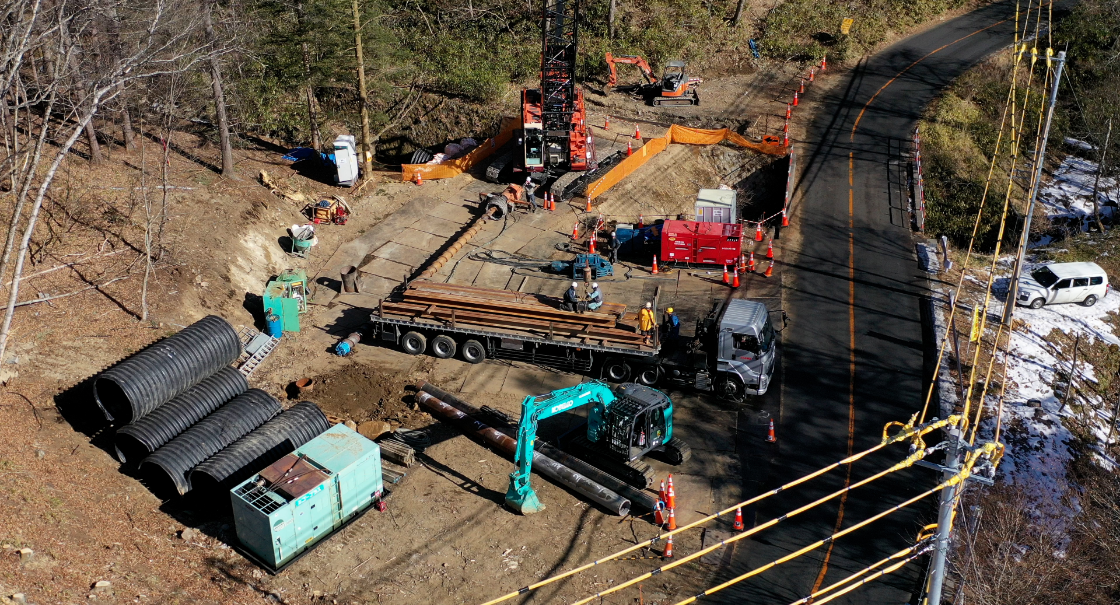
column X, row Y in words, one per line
column 647, row 71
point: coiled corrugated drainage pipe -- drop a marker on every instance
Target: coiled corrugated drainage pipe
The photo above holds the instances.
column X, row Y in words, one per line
column 266, row 444
column 136, row 440
column 168, row 466
column 133, row 388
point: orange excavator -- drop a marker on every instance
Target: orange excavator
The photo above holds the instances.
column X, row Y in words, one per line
column 673, row 88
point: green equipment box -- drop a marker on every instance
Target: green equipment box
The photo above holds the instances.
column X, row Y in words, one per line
column 286, row 296
column 285, row 510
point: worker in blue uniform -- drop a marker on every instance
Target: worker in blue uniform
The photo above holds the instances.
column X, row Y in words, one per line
column 595, row 298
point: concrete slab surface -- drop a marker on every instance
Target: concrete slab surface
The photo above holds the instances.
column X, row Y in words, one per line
column 419, row 239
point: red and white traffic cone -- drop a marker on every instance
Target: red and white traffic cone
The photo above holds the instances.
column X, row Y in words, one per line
column 770, row 249
column 758, row 232
column 735, row 278
column 726, row 276
column 785, row 139
column 670, row 495
column 824, row 62
column 641, row 221
column 785, row 127
column 658, row 516
column 812, row 73
column 672, row 519
column 785, row 218
column 770, row 436
column 575, row 231
column 416, row 178
column 750, row 263
column 661, row 493
column 637, row 133
column 654, row 271
column 789, row 111
column 738, row 525
column 795, row 99
column 629, row 149
column 769, row 269
column 802, row 89
column 668, row 552
column 742, row 262
column 607, row 123
column 591, row 242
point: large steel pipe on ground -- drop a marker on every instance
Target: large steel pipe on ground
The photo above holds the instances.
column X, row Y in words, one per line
column 638, row 498
column 542, row 464
column 135, row 441
column 133, row 388
column 454, row 248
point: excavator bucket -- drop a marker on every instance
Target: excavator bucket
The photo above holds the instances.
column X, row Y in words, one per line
column 523, row 499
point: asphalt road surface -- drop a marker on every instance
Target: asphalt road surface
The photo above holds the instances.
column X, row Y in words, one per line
column 856, row 353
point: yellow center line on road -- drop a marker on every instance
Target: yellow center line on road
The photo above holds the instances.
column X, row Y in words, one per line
column 852, row 296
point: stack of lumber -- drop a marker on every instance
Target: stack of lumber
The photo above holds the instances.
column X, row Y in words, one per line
column 502, row 309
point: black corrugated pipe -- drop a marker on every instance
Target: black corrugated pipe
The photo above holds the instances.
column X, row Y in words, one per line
column 136, row 440
column 266, row 444
column 167, row 468
column 136, row 386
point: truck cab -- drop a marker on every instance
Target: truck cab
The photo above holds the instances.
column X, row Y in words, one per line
column 744, row 349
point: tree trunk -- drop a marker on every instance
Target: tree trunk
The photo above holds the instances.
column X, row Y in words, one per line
column 127, row 134
column 367, row 152
column 219, row 97
column 1097, row 181
column 309, row 92
column 612, row 12
column 95, row 156
column 738, row 13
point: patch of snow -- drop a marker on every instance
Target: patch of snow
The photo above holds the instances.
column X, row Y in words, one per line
column 928, row 259
column 1069, row 193
column 1079, row 144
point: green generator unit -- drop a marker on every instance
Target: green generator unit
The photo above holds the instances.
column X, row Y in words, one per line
column 285, row 510
column 286, row 297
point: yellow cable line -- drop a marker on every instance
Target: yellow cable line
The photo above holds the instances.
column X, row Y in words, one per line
column 909, row 432
column 873, row 577
column 905, row 463
column 970, row 460
column 902, row 553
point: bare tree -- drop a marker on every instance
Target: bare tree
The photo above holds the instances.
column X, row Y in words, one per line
column 219, row 95
column 612, row 13
column 367, row 159
column 738, row 18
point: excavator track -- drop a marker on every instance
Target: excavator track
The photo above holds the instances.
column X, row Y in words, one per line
column 676, row 451
column 636, row 473
column 503, row 157
column 572, row 184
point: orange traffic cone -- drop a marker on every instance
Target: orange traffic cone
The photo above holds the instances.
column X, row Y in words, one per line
column 629, row 149
column 637, row 133
column 785, row 218
column 672, row 518
column 770, row 249
column 802, row 89
column 769, row 269
column 670, row 495
column 641, row 221
column 588, row 209
column 738, row 526
column 742, row 262
column 551, row 202
column 575, row 231
column 591, row 242
column 795, row 99
column 770, row 437
column 726, row 276
column 758, row 232
column 607, row 123
column 789, row 111
column 785, row 127
column 654, row 265
column 812, row 73
column 824, row 62
column 785, row 140
column 735, row 278
column 416, row 178
column 661, row 493
column 668, row 552
column 750, row 263
column 658, row 516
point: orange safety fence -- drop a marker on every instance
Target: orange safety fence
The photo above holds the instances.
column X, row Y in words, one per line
column 682, row 135
column 462, row 164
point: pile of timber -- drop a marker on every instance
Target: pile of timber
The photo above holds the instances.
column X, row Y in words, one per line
column 536, row 314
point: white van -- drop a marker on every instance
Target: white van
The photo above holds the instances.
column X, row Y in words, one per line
column 1082, row 283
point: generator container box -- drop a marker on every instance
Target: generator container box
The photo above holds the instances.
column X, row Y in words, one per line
column 716, row 205
column 701, row 243
column 282, row 512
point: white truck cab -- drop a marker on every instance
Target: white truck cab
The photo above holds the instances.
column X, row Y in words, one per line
column 1083, row 283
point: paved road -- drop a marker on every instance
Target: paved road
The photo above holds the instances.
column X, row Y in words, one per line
column 853, row 357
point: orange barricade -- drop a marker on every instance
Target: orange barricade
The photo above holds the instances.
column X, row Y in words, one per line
column 676, row 134
column 460, row 165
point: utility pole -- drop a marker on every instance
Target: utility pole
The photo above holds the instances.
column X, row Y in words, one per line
column 944, row 519
column 367, row 156
column 1040, row 159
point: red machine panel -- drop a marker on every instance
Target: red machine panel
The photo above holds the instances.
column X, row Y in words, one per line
column 701, row 243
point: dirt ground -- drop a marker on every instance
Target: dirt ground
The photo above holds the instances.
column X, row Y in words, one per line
column 446, row 537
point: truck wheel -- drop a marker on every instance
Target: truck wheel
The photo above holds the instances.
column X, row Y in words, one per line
column 1037, row 303
column 443, row 346
column 617, row 371
column 730, row 388
column 413, row 343
column 1089, row 301
column 473, row 352
column 648, row 375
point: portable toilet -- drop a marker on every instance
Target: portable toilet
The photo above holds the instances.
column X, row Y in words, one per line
column 716, row 205
column 285, row 510
column 346, row 160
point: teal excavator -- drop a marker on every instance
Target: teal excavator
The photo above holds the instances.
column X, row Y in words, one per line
column 624, row 424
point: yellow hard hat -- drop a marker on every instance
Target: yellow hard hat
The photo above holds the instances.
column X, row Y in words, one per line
column 669, row 310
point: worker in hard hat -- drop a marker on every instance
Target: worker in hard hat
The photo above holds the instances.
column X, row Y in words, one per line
column 595, row 298
column 647, row 322
column 530, row 190
column 571, row 299
column 672, row 325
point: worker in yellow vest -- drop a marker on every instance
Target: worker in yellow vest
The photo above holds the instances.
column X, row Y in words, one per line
column 647, row 321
